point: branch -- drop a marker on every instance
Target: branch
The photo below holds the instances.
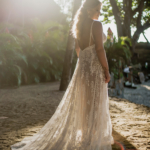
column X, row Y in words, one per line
column 145, row 38
column 127, row 4
column 115, row 9
column 139, row 31
column 134, row 11
column 141, row 8
column 130, row 6
column 124, row 2
column 116, row 13
column 146, row 25
column 138, row 8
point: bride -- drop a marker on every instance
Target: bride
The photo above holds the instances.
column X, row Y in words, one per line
column 81, row 120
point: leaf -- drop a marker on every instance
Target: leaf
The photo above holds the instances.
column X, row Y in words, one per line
column 18, row 74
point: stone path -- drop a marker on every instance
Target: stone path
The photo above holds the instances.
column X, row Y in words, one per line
column 141, row 95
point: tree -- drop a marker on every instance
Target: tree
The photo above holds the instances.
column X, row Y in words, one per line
column 127, row 14
column 68, row 60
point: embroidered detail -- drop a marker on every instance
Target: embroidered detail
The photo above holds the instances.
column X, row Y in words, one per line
column 81, row 120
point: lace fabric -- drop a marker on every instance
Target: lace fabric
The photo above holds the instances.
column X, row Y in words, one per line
column 81, row 120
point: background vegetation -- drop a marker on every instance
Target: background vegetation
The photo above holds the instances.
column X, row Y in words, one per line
column 32, row 54
column 36, row 45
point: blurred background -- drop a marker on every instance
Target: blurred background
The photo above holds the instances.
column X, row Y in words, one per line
column 38, row 57
column 33, row 36
column 35, row 40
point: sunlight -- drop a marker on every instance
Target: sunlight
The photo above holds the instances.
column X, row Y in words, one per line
column 146, row 86
column 38, row 6
column 56, row 133
column 65, row 9
column 3, row 117
column 79, row 135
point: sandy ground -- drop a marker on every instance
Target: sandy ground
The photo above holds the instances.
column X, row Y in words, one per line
column 24, row 111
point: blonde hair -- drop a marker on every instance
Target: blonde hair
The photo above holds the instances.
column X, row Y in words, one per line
column 80, row 15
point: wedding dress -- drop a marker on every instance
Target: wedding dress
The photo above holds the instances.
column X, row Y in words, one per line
column 81, row 120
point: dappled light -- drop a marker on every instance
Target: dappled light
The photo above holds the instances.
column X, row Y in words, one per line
column 28, row 108
column 56, row 95
column 147, row 87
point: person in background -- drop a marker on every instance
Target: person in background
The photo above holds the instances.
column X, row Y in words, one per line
column 128, row 77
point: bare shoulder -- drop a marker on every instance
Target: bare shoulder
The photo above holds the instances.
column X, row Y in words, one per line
column 98, row 34
column 97, row 25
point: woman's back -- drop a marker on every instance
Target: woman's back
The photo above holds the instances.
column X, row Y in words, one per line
column 86, row 35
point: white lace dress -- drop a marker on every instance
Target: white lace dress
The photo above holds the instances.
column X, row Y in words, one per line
column 81, row 120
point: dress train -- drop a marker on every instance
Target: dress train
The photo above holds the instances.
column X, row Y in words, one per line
column 81, row 120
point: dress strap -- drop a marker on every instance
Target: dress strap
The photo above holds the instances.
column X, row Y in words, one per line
column 91, row 33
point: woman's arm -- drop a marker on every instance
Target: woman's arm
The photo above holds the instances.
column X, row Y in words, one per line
column 77, row 48
column 98, row 36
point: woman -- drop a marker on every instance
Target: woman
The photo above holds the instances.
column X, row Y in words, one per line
column 81, row 120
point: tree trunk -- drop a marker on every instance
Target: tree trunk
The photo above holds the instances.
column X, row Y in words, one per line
column 145, row 38
column 116, row 13
column 123, row 25
column 137, row 33
column 127, row 4
column 66, row 74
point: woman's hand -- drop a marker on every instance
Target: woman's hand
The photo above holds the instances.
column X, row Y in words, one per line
column 107, row 77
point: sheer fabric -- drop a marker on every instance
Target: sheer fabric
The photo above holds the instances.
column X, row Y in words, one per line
column 81, row 120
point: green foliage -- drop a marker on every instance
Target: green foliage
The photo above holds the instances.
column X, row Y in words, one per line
column 32, row 54
column 10, row 53
column 108, row 14
column 118, row 53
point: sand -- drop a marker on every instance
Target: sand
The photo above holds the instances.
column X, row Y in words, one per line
column 24, row 110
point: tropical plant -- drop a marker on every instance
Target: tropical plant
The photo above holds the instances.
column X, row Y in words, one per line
column 44, row 50
column 10, row 54
column 118, row 54
column 128, row 14
column 32, row 54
